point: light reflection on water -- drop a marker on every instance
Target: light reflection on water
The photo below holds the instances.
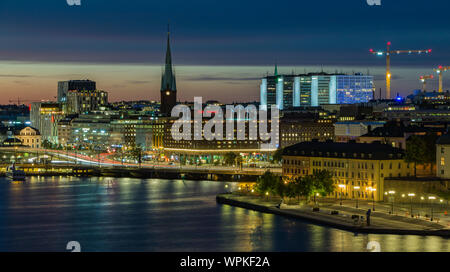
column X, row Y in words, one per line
column 106, row 214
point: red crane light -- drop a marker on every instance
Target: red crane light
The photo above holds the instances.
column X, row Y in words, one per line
column 389, row 43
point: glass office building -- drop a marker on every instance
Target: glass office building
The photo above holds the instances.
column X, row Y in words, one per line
column 314, row 89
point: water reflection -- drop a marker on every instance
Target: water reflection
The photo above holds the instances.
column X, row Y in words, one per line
column 109, row 214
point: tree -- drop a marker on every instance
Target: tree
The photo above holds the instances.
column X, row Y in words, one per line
column 421, row 150
column 229, row 158
column 277, row 155
column 47, row 144
column 291, row 188
column 239, row 160
column 323, row 183
column 430, row 146
column 320, row 182
column 305, row 186
column 136, row 153
column 415, row 151
column 279, row 188
column 267, row 183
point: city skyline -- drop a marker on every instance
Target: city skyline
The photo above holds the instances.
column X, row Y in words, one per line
column 221, row 60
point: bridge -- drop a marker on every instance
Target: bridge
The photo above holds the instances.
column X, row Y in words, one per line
column 76, row 164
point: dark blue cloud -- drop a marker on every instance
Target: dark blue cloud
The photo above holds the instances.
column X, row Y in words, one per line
column 223, row 32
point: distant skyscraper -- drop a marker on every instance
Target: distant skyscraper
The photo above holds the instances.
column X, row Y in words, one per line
column 168, row 84
column 315, row 89
column 74, row 85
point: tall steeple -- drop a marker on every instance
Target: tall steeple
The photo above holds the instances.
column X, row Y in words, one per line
column 168, row 82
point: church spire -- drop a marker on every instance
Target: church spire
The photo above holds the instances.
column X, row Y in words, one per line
column 168, row 82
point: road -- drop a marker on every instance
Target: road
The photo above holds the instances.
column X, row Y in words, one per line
column 104, row 160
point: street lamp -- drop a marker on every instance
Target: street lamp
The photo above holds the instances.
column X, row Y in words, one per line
column 411, row 195
column 373, row 197
column 357, row 195
column 342, row 186
column 392, row 193
column 431, row 198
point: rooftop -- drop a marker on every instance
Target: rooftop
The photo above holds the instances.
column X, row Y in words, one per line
column 444, row 140
column 400, row 131
column 351, row 150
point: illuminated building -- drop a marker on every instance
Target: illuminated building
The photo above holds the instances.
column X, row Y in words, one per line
column 44, row 117
column 304, row 126
column 396, row 134
column 90, row 131
column 351, row 130
column 30, row 137
column 85, row 101
column 150, row 133
column 145, row 132
column 65, row 129
column 430, row 98
column 357, row 169
column 443, row 157
column 74, row 85
column 245, row 145
column 315, row 89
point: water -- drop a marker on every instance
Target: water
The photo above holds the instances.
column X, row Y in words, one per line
column 44, row 214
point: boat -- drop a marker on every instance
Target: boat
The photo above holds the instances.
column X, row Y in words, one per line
column 15, row 174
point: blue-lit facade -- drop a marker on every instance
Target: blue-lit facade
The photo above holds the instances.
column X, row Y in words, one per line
column 353, row 89
column 287, row 91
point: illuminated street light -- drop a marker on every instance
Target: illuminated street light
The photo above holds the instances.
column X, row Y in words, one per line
column 411, row 195
column 373, row 197
column 342, row 186
column 392, row 193
column 357, row 195
column 431, row 198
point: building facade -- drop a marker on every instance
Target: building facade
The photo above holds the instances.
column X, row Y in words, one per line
column 352, row 130
column 81, row 102
column 443, row 157
column 30, row 137
column 295, row 131
column 315, row 89
column 44, row 117
column 90, row 131
column 73, row 85
column 358, row 169
column 65, row 130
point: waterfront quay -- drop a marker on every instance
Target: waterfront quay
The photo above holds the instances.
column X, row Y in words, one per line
column 345, row 217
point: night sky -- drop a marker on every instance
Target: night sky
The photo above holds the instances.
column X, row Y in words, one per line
column 220, row 48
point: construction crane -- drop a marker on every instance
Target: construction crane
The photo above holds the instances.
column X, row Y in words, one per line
column 424, row 81
column 440, row 70
column 388, row 54
column 20, row 101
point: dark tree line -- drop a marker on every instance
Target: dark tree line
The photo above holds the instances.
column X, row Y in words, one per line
column 320, row 183
column 421, row 150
